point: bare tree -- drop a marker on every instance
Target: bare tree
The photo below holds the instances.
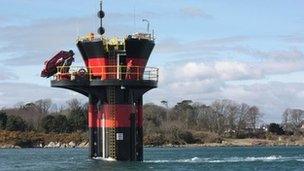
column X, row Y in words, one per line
column 227, row 112
column 292, row 119
column 242, row 117
column 204, row 118
column 19, row 105
column 254, row 116
column 74, row 105
column 231, row 120
column 43, row 106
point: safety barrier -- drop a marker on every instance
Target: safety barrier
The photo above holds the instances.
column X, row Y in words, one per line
column 107, row 73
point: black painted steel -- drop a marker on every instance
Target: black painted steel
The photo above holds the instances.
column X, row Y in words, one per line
column 101, row 15
column 128, row 143
column 133, row 137
column 91, row 49
column 126, row 92
column 139, row 48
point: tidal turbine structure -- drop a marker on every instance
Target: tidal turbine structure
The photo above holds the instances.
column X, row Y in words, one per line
column 115, row 78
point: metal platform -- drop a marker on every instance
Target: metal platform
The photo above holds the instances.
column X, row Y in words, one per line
column 82, row 79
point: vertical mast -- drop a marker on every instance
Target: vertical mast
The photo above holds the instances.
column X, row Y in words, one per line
column 101, row 31
column 101, row 15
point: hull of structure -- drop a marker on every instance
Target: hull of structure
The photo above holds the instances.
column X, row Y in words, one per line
column 115, row 124
column 98, row 55
column 115, row 85
column 115, row 116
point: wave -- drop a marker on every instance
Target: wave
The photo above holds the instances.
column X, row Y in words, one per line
column 104, row 159
column 231, row 159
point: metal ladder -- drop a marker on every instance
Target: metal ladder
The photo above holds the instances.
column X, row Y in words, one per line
column 112, row 130
column 112, row 64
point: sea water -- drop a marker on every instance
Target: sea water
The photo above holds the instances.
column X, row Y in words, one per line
column 217, row 158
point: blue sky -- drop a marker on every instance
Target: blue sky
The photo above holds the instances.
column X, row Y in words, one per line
column 243, row 50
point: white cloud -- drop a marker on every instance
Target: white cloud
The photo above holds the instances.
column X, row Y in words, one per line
column 6, row 74
column 278, row 55
column 33, row 44
column 172, row 45
column 193, row 70
column 12, row 93
column 208, row 81
column 232, row 70
column 183, row 87
column 193, row 11
column 218, row 70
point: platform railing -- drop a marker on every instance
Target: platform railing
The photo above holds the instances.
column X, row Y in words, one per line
column 107, row 73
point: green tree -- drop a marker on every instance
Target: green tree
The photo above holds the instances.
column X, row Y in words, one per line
column 48, row 124
column 57, row 124
column 61, row 124
column 185, row 112
column 77, row 117
column 3, row 120
column 275, row 129
column 15, row 123
column 77, row 121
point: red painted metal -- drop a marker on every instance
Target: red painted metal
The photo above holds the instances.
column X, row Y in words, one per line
column 92, row 116
column 97, row 66
column 61, row 58
column 122, row 117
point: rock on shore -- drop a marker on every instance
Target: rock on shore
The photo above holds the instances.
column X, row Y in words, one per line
column 50, row 145
column 66, row 145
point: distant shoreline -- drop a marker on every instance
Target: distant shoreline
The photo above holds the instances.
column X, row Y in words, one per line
column 227, row 143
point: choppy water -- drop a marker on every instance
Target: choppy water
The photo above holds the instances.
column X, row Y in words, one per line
column 223, row 158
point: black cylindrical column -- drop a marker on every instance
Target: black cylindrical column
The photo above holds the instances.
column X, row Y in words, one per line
column 92, row 117
column 133, row 137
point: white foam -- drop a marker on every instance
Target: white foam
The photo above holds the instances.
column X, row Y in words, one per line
column 104, row 159
column 272, row 158
column 191, row 160
column 269, row 158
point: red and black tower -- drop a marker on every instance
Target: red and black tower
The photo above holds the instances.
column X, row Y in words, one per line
column 115, row 78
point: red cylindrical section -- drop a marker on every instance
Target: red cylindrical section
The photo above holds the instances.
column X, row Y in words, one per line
column 97, row 66
column 138, row 51
column 92, row 116
column 121, row 118
column 94, row 56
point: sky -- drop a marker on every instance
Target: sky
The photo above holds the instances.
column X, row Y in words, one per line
column 243, row 50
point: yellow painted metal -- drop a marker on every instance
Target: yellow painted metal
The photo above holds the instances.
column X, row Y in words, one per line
column 112, row 130
column 110, row 72
column 106, row 42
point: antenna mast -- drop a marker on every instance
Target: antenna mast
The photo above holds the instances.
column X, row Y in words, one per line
column 101, row 15
column 148, row 25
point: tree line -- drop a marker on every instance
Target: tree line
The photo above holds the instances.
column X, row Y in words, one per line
column 73, row 118
column 188, row 122
column 185, row 122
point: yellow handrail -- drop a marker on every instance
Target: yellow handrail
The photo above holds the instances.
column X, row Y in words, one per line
column 108, row 72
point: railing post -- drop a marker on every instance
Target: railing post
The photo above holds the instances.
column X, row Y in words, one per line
column 90, row 75
column 117, row 72
column 120, row 72
column 102, row 73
